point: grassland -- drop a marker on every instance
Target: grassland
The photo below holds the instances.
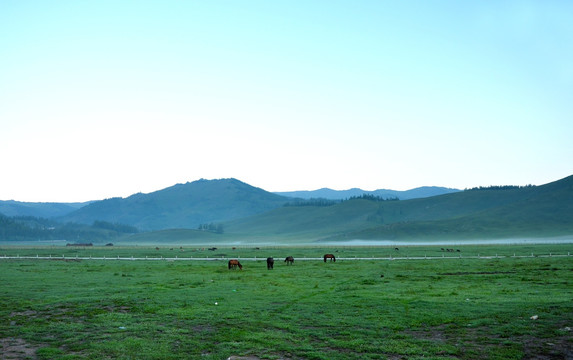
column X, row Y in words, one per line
column 456, row 307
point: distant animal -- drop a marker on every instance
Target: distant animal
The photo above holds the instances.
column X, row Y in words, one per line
column 212, row 249
column 397, row 249
column 234, row 263
column 156, row 248
column 270, row 263
column 289, row 260
column 329, row 256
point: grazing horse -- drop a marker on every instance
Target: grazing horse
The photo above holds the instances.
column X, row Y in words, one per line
column 329, row 256
column 289, row 260
column 270, row 263
column 234, row 263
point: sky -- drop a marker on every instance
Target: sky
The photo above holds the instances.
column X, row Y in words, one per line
column 102, row 99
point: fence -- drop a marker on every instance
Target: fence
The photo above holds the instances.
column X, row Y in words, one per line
column 225, row 258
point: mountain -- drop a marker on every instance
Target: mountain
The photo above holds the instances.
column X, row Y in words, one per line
column 61, row 210
column 182, row 206
column 41, row 210
column 326, row 193
column 251, row 215
column 495, row 212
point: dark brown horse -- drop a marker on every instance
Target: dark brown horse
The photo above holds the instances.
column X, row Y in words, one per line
column 329, row 256
column 234, row 263
column 270, row 263
column 289, row 260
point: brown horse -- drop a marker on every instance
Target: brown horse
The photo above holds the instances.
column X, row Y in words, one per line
column 289, row 260
column 234, row 263
column 329, row 256
column 270, row 263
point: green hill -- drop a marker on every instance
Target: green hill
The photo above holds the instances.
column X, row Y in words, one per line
column 182, row 206
column 247, row 214
column 534, row 211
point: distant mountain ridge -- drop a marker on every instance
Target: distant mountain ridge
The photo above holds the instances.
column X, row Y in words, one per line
column 182, row 206
column 251, row 214
column 326, row 193
column 61, row 210
column 38, row 209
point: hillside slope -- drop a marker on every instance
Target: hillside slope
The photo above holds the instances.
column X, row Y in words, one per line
column 182, row 205
column 542, row 211
column 545, row 210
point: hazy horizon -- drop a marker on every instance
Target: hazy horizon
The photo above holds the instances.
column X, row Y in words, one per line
column 278, row 192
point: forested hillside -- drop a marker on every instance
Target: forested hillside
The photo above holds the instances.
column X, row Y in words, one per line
column 29, row 228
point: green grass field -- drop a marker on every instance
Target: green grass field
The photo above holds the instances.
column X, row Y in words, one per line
column 452, row 308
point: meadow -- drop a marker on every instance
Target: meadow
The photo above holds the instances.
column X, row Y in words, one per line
column 459, row 306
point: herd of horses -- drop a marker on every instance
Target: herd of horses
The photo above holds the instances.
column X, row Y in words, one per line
column 289, row 260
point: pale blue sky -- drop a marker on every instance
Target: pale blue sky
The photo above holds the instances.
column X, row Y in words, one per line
column 108, row 98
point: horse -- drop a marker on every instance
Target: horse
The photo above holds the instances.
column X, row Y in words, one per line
column 289, row 260
column 329, row 256
column 234, row 263
column 270, row 263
